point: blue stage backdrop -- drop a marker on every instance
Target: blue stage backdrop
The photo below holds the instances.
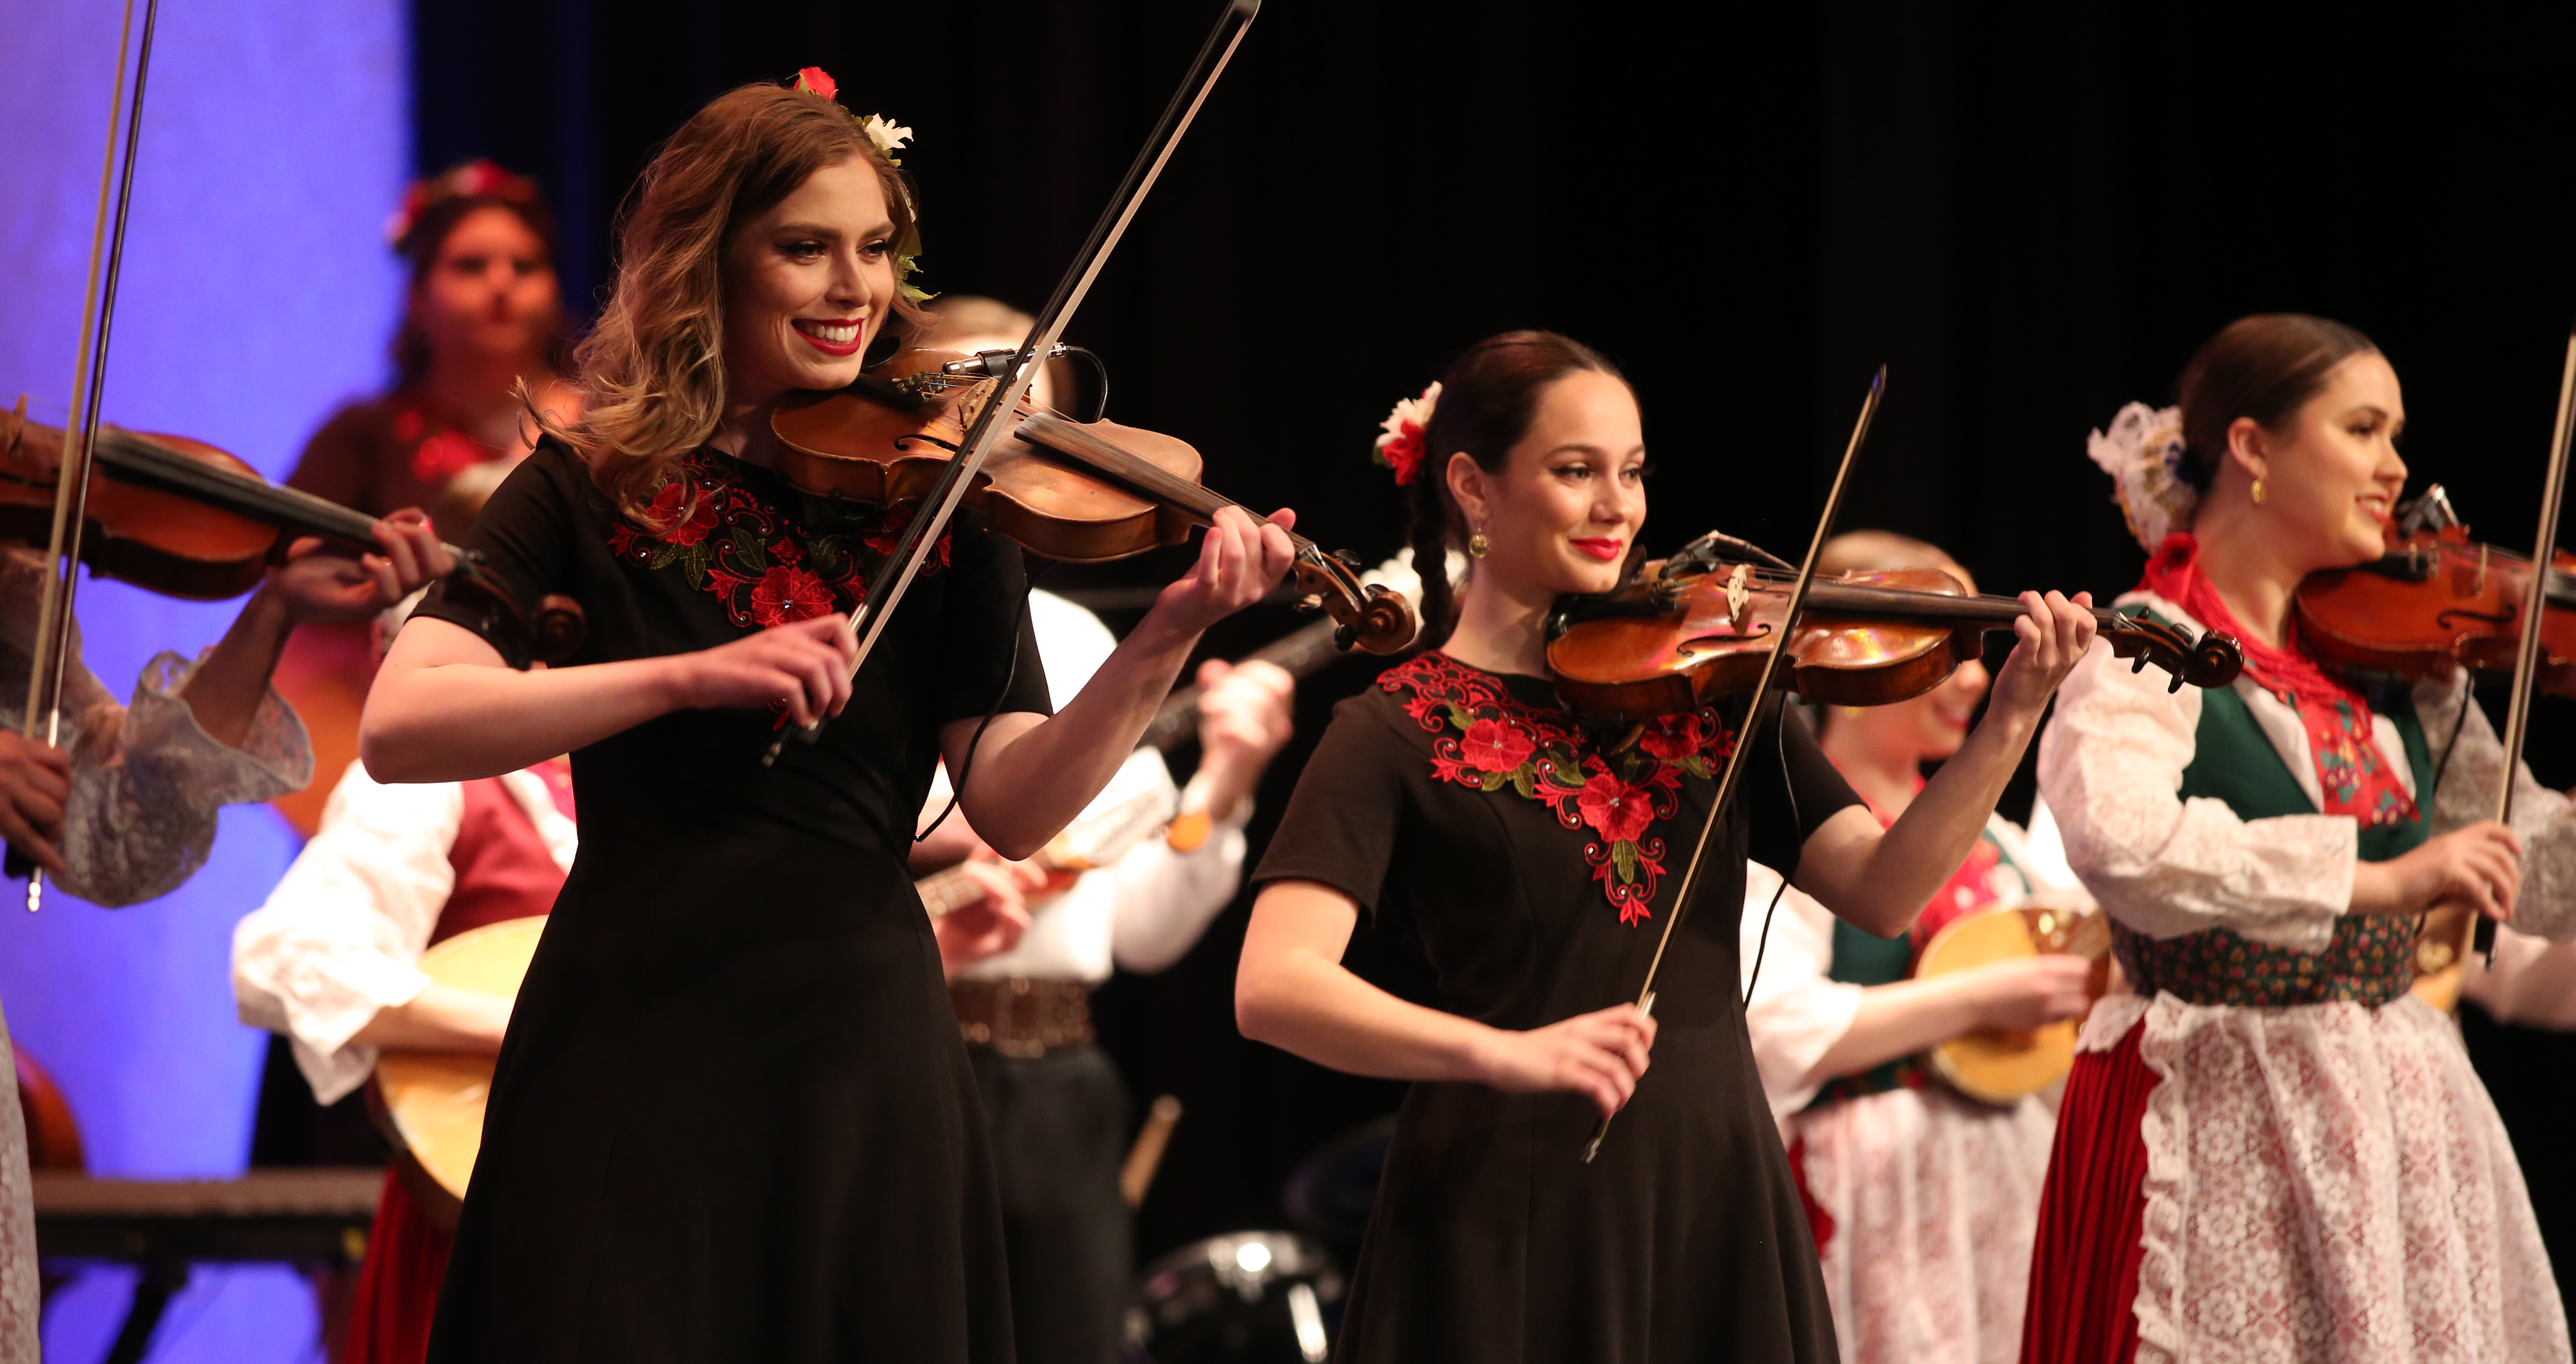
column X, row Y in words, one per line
column 258, row 292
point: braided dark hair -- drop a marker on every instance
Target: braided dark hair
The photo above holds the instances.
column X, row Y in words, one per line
column 1488, row 397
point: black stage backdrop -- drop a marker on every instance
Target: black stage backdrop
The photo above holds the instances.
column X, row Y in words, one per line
column 2031, row 213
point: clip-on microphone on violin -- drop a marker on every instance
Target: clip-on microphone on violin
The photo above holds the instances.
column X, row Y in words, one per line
column 1091, row 393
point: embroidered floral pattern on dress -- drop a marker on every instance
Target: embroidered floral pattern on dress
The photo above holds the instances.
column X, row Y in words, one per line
column 1489, row 740
column 765, row 567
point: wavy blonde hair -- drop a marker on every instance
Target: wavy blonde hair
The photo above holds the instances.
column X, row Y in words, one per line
column 652, row 369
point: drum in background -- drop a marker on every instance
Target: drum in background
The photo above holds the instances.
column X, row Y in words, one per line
column 1249, row 1297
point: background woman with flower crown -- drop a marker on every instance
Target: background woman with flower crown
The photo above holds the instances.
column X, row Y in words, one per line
column 732, row 1116
column 2269, row 1150
column 1533, row 859
column 482, row 317
column 1922, row 1200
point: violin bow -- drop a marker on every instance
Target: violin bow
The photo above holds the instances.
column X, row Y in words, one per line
column 1731, row 777
column 51, row 655
column 887, row 587
column 2526, row 659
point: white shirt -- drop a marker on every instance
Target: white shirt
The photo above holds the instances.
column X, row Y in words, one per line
column 1144, row 911
column 340, row 937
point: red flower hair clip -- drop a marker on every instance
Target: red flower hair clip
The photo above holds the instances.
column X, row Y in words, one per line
column 1399, row 441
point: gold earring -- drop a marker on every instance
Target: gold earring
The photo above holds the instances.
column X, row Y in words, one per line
column 1478, row 546
column 2258, row 492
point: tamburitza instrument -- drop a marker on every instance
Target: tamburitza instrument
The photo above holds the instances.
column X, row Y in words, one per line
column 430, row 1104
column 2005, row 1067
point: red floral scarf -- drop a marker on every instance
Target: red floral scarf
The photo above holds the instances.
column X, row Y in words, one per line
column 1490, row 739
column 2353, row 776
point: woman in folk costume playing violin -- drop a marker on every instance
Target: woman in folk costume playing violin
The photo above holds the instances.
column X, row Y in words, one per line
column 1534, row 860
column 733, row 1117
column 1922, row 1198
column 2268, row 1150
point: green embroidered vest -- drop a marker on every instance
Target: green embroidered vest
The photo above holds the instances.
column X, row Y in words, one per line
column 2370, row 959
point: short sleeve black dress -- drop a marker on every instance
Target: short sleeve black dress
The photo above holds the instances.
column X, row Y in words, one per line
column 1536, row 868
column 733, row 1117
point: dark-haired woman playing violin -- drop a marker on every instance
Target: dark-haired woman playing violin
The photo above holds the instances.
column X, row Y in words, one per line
column 733, row 1117
column 2268, row 1150
column 1537, row 865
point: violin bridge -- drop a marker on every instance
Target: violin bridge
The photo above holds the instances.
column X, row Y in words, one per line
column 1738, row 597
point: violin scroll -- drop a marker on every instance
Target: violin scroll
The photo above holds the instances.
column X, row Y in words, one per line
column 551, row 634
column 2213, row 660
column 1372, row 616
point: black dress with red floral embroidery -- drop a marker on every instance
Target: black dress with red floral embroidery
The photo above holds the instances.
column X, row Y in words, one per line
column 1536, row 869
column 734, row 1118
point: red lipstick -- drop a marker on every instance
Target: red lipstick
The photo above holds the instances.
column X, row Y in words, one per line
column 838, row 337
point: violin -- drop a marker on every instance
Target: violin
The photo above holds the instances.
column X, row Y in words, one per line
column 2437, row 601
column 181, row 518
column 1700, row 624
column 1080, row 491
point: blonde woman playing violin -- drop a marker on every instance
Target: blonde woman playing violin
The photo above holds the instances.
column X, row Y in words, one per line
column 733, row 1117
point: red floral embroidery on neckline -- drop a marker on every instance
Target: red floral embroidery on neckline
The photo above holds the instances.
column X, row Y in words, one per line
column 735, row 544
column 1490, row 739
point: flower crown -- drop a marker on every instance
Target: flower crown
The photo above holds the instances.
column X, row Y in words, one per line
column 887, row 138
column 2143, row 454
column 481, row 178
column 1399, row 441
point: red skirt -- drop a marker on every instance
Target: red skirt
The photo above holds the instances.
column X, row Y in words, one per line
column 398, row 1283
column 2084, row 1262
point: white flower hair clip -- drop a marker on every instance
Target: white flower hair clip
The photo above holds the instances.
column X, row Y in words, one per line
column 888, row 138
column 2143, row 454
column 1399, row 441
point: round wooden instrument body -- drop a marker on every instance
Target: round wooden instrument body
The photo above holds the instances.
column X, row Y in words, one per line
column 2437, row 601
column 431, row 1103
column 876, row 444
column 2005, row 1067
column 1703, row 647
column 156, row 540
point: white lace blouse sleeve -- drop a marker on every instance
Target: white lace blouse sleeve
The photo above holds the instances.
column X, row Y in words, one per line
column 339, row 938
column 142, row 813
column 1797, row 1012
column 2465, row 794
column 2110, row 767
